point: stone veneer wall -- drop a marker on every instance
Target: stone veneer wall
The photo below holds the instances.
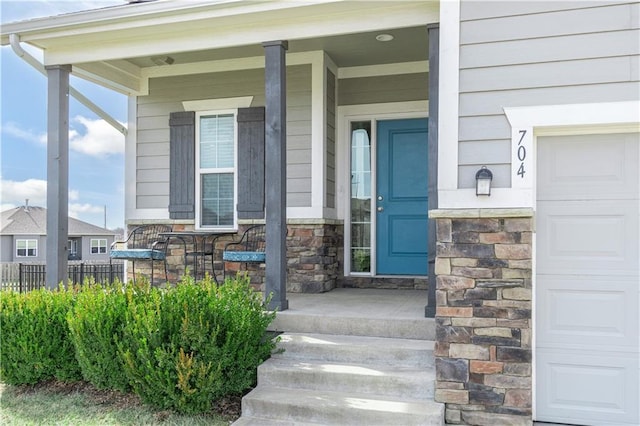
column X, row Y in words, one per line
column 483, row 315
column 312, row 257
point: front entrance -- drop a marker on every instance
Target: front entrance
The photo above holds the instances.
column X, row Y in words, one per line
column 388, row 199
column 401, row 199
column 588, row 280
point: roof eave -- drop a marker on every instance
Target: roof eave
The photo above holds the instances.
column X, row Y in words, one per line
column 92, row 20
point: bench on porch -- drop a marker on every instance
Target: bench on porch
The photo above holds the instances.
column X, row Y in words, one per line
column 249, row 249
column 145, row 242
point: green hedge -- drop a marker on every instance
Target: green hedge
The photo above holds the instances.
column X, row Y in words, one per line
column 34, row 338
column 192, row 345
column 178, row 348
column 95, row 322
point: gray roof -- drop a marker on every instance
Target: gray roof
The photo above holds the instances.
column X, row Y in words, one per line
column 33, row 221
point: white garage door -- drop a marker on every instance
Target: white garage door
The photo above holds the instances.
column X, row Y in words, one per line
column 588, row 279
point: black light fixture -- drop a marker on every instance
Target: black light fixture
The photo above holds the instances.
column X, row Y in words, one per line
column 483, row 181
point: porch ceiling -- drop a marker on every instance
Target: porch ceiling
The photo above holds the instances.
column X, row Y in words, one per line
column 349, row 50
column 115, row 46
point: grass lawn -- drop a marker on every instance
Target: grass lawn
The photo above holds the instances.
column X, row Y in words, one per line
column 82, row 404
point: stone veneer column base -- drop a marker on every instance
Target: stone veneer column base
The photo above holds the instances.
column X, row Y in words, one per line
column 483, row 315
column 312, row 255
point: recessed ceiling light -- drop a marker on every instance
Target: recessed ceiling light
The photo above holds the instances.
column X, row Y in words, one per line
column 384, row 37
column 162, row 60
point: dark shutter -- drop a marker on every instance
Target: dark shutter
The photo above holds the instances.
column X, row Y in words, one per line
column 251, row 163
column 182, row 146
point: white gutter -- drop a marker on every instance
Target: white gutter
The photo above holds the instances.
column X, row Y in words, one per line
column 15, row 45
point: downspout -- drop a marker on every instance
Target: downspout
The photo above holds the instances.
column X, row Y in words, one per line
column 14, row 39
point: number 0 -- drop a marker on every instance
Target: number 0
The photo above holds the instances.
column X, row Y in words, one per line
column 522, row 153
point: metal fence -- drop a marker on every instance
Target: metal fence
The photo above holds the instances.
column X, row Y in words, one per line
column 30, row 276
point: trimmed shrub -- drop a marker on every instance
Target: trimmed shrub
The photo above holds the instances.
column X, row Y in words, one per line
column 187, row 346
column 34, row 339
column 95, row 324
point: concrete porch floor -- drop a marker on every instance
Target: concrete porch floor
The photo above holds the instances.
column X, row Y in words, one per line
column 361, row 303
column 356, row 311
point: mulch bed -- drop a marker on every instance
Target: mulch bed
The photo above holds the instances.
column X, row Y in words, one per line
column 229, row 407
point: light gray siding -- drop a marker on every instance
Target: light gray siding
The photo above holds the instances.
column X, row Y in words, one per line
column 387, row 88
column 166, row 95
column 537, row 53
column 6, row 248
column 87, row 256
column 331, row 140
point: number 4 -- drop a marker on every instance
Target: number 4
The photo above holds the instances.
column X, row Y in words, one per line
column 521, row 170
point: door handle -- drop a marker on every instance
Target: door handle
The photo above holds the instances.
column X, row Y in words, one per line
column 380, row 209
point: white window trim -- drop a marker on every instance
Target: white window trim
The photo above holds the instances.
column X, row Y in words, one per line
column 198, row 171
column 98, row 245
column 27, row 241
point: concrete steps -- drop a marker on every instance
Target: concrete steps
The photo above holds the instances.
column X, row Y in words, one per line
column 353, row 325
column 355, row 378
column 338, row 408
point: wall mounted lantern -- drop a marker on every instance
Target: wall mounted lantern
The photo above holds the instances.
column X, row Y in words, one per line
column 483, row 181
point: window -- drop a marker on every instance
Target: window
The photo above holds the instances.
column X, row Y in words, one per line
column 361, row 196
column 98, row 246
column 26, row 248
column 215, row 170
column 73, row 249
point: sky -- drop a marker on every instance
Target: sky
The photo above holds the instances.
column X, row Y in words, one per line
column 96, row 150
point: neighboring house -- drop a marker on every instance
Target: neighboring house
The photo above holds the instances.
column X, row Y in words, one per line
column 23, row 237
column 391, row 110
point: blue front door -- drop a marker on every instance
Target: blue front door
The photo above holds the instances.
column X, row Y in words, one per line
column 401, row 199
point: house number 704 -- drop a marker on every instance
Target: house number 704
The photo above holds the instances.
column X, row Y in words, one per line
column 521, row 153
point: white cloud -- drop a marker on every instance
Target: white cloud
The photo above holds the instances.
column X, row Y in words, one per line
column 14, row 192
column 13, row 129
column 99, row 139
column 96, row 138
column 75, row 209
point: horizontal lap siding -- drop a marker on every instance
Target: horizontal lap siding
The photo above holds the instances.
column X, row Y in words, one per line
column 537, row 53
column 331, row 140
column 166, row 95
column 387, row 88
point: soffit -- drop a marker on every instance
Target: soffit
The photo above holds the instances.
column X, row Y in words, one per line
column 409, row 44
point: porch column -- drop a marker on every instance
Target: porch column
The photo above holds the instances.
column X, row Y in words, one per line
column 276, row 173
column 57, row 173
column 433, row 32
